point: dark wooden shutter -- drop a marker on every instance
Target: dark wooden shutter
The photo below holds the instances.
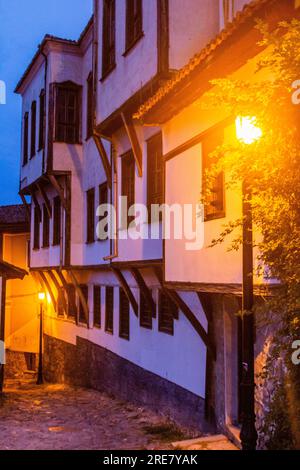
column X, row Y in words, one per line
column 90, row 201
column 42, row 121
column 71, row 296
column 46, row 227
column 103, row 199
column 85, row 292
column 109, row 36
column 124, row 315
column 97, row 306
column 33, row 130
column 215, row 207
column 25, row 139
column 155, row 166
column 145, row 313
column 109, row 309
column 67, row 114
column 134, row 22
column 128, row 181
column 56, row 221
column 90, row 106
column 60, row 302
column 36, row 231
column 167, row 311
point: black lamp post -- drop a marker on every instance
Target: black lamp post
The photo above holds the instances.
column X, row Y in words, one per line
column 248, row 133
column 40, row 380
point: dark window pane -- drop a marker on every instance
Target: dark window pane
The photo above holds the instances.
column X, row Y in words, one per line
column 33, row 130
column 37, row 222
column 42, row 121
column 124, row 315
column 134, row 22
column 167, row 311
column 71, row 296
column 145, row 313
column 90, row 200
column 46, row 227
column 67, row 113
column 97, row 306
column 108, row 52
column 109, row 309
column 85, row 292
column 128, row 181
column 56, row 221
column 25, row 142
column 155, row 170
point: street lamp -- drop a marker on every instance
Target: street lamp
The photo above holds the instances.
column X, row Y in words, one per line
column 248, row 133
column 41, row 299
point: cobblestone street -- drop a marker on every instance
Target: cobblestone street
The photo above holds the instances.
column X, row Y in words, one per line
column 65, row 418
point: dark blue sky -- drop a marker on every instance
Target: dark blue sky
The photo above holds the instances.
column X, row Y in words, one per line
column 23, row 25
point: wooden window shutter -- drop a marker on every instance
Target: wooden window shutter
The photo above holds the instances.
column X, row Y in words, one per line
column 90, row 106
column 109, row 309
column 128, row 182
column 67, row 117
column 42, row 120
column 167, row 312
column 145, row 313
column 134, row 22
column 71, row 297
column 25, row 139
column 215, row 207
column 36, row 232
column 124, row 315
column 109, row 36
column 97, row 306
column 103, row 199
column 33, row 130
column 56, row 221
column 90, row 203
column 46, row 227
column 155, row 171
column 85, row 291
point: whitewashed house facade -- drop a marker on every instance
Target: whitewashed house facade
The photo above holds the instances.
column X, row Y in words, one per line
column 133, row 317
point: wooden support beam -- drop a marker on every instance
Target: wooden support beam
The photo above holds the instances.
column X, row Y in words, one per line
column 58, row 288
column 49, row 289
column 62, row 279
column 127, row 290
column 205, row 301
column 59, row 191
column 26, row 205
column 134, row 141
column 144, row 290
column 104, row 158
column 80, row 295
column 45, row 199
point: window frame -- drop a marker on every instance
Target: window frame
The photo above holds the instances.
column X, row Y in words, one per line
column 97, row 293
column 109, row 314
column 108, row 37
column 46, row 227
column 57, row 222
column 128, row 183
column 152, row 172
column 68, row 88
column 90, row 216
column 33, row 130
column 89, row 106
column 124, row 321
column 132, row 37
column 172, row 313
column 26, row 139
column 145, row 321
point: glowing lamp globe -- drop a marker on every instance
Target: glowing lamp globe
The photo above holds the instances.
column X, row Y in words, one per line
column 246, row 129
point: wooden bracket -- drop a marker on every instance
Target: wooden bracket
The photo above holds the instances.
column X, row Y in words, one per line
column 58, row 288
column 144, row 290
column 45, row 198
column 59, row 191
column 104, row 158
column 81, row 296
column 26, row 205
column 49, row 289
column 127, row 290
column 134, row 141
column 205, row 301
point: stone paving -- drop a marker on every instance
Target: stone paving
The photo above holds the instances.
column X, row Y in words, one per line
column 60, row 417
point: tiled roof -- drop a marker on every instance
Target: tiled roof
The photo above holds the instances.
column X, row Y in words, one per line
column 13, row 215
column 241, row 17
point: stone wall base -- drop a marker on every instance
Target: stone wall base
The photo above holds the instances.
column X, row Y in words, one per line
column 89, row 365
column 18, row 363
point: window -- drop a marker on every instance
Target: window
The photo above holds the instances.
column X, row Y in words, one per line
column 56, row 221
column 85, row 292
column 215, row 207
column 90, row 106
column 60, row 302
column 109, row 310
column 67, row 113
column 128, row 182
column 103, row 199
column 25, row 142
column 36, row 231
column 109, row 36
column 155, row 170
column 167, row 311
column 46, row 227
column 90, row 204
column 124, row 315
column 145, row 313
column 42, row 121
column 33, row 130
column 71, row 296
column 97, row 306
column 134, row 22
